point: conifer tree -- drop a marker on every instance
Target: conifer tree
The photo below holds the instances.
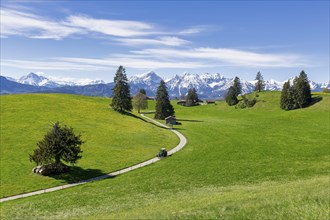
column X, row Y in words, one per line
column 287, row 97
column 237, row 86
column 260, row 84
column 302, row 90
column 192, row 97
column 59, row 144
column 231, row 97
column 121, row 99
column 163, row 104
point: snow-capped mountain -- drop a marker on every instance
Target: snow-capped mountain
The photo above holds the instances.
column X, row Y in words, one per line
column 42, row 81
column 148, row 81
column 207, row 85
column 37, row 80
column 272, row 85
column 179, row 85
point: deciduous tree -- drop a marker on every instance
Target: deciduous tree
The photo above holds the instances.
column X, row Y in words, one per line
column 140, row 101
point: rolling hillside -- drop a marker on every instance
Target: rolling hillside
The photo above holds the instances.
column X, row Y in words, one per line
column 113, row 141
column 258, row 163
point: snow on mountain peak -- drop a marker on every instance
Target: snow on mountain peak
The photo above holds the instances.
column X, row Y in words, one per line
column 207, row 85
column 33, row 79
column 146, row 74
column 147, row 78
column 40, row 80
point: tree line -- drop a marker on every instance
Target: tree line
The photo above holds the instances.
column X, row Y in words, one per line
column 123, row 102
column 297, row 95
column 236, row 89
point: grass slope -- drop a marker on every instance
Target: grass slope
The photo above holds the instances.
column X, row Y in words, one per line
column 113, row 141
column 259, row 163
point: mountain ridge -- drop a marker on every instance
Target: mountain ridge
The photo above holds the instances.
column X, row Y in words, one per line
column 208, row 85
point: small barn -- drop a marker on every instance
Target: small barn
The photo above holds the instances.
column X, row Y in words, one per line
column 210, row 101
column 170, row 120
column 181, row 102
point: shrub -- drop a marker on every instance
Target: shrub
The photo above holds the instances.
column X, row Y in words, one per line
column 247, row 102
column 325, row 90
column 251, row 103
column 241, row 105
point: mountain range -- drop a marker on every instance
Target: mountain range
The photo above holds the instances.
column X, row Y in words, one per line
column 207, row 85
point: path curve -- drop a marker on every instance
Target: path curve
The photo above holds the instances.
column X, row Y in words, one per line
column 182, row 143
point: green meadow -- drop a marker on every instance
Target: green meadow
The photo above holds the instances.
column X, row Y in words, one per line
column 256, row 163
column 113, row 141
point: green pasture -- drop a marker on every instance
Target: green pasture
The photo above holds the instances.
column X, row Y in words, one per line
column 113, row 141
column 257, row 163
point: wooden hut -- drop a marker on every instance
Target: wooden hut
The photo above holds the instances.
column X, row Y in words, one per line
column 181, row 102
column 170, row 120
column 210, row 101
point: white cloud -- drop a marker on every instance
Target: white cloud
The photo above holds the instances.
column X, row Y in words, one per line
column 191, row 31
column 164, row 58
column 199, row 29
column 25, row 24
column 136, row 62
column 120, row 28
column 88, row 64
column 166, row 41
column 50, row 64
column 230, row 57
column 15, row 22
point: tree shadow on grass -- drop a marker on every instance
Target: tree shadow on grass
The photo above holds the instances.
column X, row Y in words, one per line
column 77, row 174
column 148, row 113
column 187, row 120
column 315, row 100
column 139, row 117
column 178, row 129
column 134, row 116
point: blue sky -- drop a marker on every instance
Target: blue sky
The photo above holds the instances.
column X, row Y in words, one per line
column 89, row 39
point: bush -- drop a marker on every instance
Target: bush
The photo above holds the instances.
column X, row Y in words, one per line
column 251, row 103
column 325, row 90
column 247, row 102
column 241, row 105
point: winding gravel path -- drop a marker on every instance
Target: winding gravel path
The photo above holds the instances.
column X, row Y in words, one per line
column 183, row 142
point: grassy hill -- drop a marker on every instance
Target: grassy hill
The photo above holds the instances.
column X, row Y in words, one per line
column 258, row 163
column 113, row 141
